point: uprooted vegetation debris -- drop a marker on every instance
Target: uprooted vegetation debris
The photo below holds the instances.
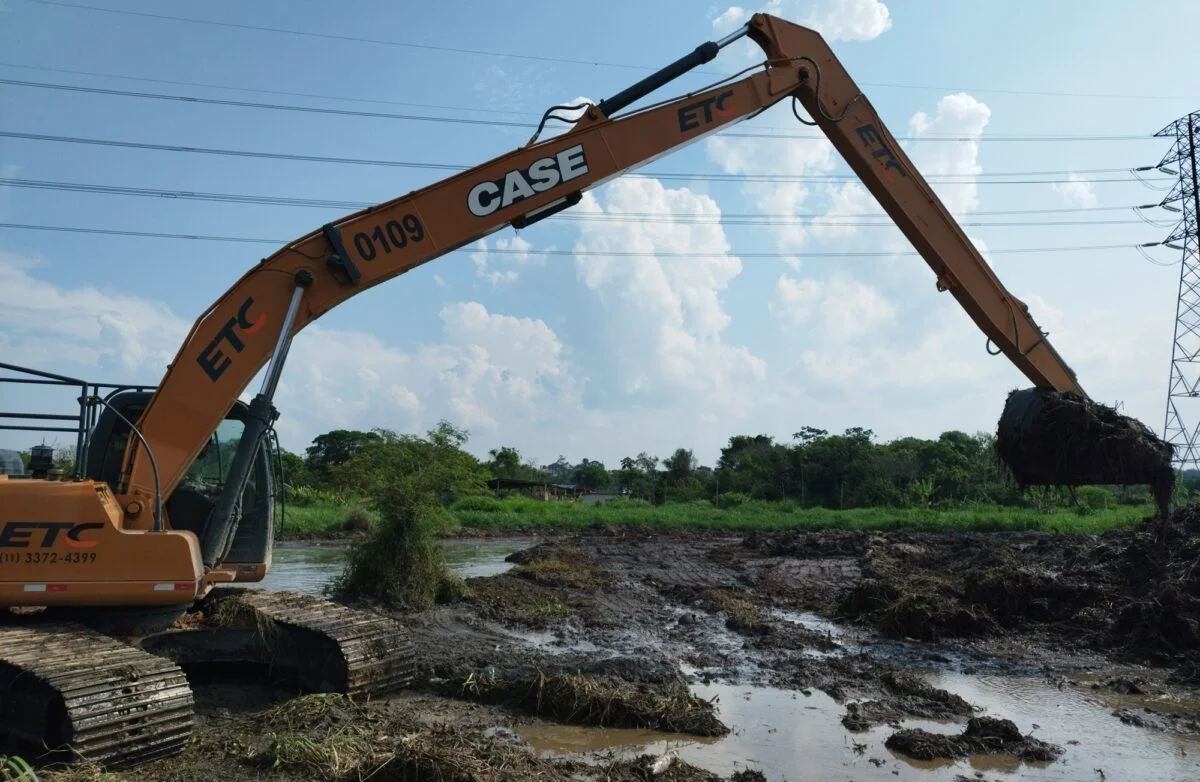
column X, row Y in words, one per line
column 1048, row 438
column 989, row 735
column 742, row 615
column 601, row 701
column 330, row 737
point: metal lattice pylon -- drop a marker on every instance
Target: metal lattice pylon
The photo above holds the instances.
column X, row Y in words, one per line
column 1184, row 198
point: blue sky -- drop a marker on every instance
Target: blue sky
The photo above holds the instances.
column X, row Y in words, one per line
column 593, row 356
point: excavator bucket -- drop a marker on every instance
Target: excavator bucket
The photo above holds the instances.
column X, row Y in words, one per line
column 1048, row 438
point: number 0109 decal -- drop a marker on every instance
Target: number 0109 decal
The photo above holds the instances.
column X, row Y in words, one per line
column 392, row 235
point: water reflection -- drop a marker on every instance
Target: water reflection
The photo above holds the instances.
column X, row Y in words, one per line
column 307, row 567
column 789, row 736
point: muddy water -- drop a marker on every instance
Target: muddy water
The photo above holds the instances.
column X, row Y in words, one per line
column 308, row 567
column 788, row 735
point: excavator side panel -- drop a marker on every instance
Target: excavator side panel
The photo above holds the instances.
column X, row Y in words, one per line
column 61, row 543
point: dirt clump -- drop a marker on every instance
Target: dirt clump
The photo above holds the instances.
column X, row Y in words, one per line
column 896, row 696
column 741, row 614
column 990, row 735
column 550, row 582
column 559, row 565
column 1165, row 722
column 920, row 606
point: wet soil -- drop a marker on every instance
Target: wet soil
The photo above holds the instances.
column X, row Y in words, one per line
column 983, row 735
column 618, row 628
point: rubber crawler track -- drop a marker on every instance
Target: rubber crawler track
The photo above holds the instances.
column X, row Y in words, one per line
column 123, row 706
column 377, row 650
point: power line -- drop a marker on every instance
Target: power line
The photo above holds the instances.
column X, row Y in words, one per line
column 265, row 200
column 584, row 253
column 254, row 105
column 503, row 123
column 611, row 217
column 449, row 167
column 262, row 91
column 452, row 167
column 349, row 38
column 563, row 60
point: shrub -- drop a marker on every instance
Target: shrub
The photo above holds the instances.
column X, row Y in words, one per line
column 1095, row 497
column 356, row 520
column 732, row 499
column 400, row 564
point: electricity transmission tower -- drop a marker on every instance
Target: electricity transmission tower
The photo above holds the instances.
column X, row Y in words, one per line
column 1185, row 351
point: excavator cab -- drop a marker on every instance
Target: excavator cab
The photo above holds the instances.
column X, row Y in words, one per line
column 102, row 432
column 194, row 501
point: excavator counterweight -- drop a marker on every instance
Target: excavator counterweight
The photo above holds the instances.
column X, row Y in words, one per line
column 174, row 493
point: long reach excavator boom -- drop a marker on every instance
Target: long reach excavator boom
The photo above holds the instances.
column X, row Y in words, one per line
column 134, row 531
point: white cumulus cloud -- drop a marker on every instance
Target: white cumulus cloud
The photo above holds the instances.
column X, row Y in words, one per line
column 835, row 20
column 93, row 328
column 960, row 122
column 840, row 309
column 667, row 320
column 496, row 263
column 1078, row 190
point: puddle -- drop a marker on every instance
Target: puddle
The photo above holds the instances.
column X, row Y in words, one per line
column 1083, row 716
column 307, row 567
column 787, row 735
column 782, row 733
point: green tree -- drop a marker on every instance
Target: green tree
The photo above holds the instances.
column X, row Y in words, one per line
column 756, row 466
column 436, row 464
column 679, row 465
column 336, row 448
column 505, row 463
column 560, row 471
column 295, row 469
column 591, row 475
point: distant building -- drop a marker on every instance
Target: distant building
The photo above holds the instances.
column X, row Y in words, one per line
column 538, row 490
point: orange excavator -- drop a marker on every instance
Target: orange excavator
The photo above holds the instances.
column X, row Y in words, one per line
column 174, row 494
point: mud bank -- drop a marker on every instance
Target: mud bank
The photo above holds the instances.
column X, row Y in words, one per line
column 638, row 655
column 1124, row 593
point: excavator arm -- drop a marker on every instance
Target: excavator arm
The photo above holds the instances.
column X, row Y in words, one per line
column 253, row 323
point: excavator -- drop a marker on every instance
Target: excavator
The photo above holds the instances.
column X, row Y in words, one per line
column 173, row 496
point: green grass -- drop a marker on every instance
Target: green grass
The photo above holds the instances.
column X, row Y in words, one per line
column 754, row 516
column 317, row 517
column 517, row 513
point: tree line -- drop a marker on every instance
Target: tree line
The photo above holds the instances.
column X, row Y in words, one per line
column 815, row 468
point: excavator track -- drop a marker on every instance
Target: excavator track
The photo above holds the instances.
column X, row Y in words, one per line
column 312, row 644
column 68, row 689
column 376, row 650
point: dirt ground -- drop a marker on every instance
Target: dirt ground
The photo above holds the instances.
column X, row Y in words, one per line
column 607, row 627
